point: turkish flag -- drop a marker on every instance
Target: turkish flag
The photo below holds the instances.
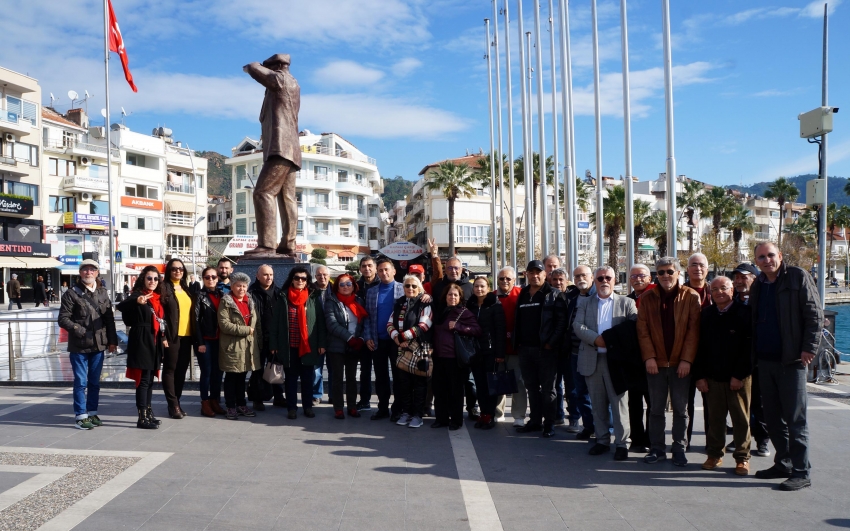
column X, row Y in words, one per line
column 116, row 44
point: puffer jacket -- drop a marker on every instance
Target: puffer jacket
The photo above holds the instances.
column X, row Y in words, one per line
column 799, row 311
column 337, row 320
column 239, row 349
column 88, row 318
column 686, row 314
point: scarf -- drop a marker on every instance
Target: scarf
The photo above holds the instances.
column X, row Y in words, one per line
column 299, row 300
column 350, row 301
column 156, row 306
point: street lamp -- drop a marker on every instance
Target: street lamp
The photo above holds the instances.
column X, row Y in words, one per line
column 194, row 254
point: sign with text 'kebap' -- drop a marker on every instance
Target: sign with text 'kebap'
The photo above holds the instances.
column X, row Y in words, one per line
column 402, row 251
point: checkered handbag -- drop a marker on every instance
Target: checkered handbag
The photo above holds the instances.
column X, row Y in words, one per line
column 416, row 358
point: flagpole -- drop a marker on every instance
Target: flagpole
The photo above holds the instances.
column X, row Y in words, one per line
column 558, row 247
column 627, row 125
column 526, row 159
column 541, row 133
column 510, row 135
column 499, row 136
column 492, row 165
column 600, row 218
column 672, row 232
column 570, row 221
column 108, row 148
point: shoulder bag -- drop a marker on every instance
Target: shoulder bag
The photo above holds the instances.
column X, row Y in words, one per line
column 416, row 358
column 464, row 346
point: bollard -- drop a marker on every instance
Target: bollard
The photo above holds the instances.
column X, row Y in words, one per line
column 12, row 376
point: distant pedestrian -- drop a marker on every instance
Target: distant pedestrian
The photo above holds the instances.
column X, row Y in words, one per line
column 86, row 313
column 39, row 292
column 13, row 289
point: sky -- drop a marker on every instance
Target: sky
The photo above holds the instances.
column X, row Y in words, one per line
column 406, row 80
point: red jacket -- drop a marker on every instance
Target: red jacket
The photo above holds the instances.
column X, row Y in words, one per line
column 509, row 303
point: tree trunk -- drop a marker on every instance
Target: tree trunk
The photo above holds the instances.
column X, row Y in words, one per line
column 779, row 238
column 690, row 239
column 613, row 248
column 451, row 227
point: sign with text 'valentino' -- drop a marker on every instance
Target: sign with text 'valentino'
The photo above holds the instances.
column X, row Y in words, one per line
column 24, row 249
column 402, row 251
column 141, row 202
column 10, row 205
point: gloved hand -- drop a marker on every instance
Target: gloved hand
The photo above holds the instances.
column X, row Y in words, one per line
column 356, row 343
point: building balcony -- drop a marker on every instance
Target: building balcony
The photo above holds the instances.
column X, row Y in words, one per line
column 352, row 185
column 374, row 222
column 761, row 236
column 178, row 218
column 13, row 123
column 341, row 153
column 374, row 245
column 180, row 188
column 129, row 171
column 330, row 237
column 10, row 165
column 81, row 149
column 82, row 183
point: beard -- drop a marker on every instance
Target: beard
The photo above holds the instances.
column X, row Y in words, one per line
column 582, row 285
column 88, row 281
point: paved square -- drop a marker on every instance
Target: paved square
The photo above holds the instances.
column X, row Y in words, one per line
column 270, row 473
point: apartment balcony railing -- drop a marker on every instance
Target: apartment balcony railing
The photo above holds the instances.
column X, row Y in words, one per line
column 762, row 235
column 180, row 188
column 8, row 160
column 333, row 152
column 175, row 218
column 70, row 144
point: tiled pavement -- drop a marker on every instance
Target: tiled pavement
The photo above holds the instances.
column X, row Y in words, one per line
column 272, row 473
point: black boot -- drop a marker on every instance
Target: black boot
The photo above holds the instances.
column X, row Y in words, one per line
column 144, row 422
column 153, row 420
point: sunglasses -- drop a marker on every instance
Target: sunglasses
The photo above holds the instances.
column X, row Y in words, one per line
column 345, row 284
column 411, row 286
column 152, row 279
column 178, row 269
column 210, row 277
column 604, row 279
column 505, row 279
column 302, row 279
column 662, row 272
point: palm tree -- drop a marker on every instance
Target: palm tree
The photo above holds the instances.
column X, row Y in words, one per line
column 717, row 204
column 690, row 197
column 740, row 223
column 583, row 195
column 805, row 227
column 655, row 227
column 614, row 221
column 483, row 170
column 782, row 190
column 642, row 210
column 453, row 181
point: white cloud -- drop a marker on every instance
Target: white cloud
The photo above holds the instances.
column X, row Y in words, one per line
column 347, row 73
column 771, row 93
column 815, row 9
column 406, row 66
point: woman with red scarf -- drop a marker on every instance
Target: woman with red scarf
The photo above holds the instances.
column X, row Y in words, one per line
column 298, row 336
column 344, row 316
column 142, row 312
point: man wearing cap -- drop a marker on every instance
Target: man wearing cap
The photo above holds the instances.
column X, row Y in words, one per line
column 742, row 278
column 13, row 289
column 86, row 313
column 540, row 324
column 275, row 187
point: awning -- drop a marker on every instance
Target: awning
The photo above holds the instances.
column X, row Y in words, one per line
column 10, row 261
column 646, row 248
column 35, row 262
column 345, row 254
column 180, row 206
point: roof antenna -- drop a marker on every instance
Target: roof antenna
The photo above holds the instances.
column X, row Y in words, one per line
column 52, row 99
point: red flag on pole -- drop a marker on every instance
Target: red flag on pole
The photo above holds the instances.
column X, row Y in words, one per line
column 116, row 44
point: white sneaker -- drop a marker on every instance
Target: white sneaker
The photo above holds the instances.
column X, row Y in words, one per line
column 415, row 422
column 404, row 420
column 519, row 422
column 501, row 419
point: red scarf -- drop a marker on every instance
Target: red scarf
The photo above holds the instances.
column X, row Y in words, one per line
column 156, row 306
column 299, row 300
column 350, row 302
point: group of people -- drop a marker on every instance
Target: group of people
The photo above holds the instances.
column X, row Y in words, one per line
column 604, row 366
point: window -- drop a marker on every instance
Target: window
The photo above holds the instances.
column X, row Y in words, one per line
column 200, row 181
column 98, row 172
column 125, row 221
column 140, row 190
column 240, row 203
column 472, row 234
column 341, row 176
column 241, row 177
column 343, row 202
column 25, row 110
column 584, row 241
column 25, row 153
column 361, row 232
column 299, row 228
column 322, row 200
column 140, row 223
column 143, row 251
column 322, row 228
column 68, row 138
column 61, row 167
column 320, row 173
column 299, row 198
column 344, row 231
column 99, row 207
column 359, row 178
column 179, row 242
column 241, row 226
column 134, row 159
column 58, row 203
column 360, row 209
column 28, row 190
column 253, row 227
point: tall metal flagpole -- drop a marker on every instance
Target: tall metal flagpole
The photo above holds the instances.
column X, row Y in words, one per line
column 492, row 165
column 529, row 167
column 509, row 88
column 541, row 133
column 570, row 207
column 109, row 149
column 529, row 219
column 627, row 126
column 822, row 267
column 600, row 218
column 499, row 144
column 672, row 241
column 558, row 247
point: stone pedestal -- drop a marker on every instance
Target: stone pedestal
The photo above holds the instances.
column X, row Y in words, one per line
column 280, row 265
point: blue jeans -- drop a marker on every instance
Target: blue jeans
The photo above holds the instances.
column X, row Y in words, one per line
column 87, row 367
column 210, row 382
column 318, row 380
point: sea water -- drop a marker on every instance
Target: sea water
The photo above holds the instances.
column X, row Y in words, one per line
column 842, row 329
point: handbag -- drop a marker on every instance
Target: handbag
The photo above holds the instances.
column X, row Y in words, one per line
column 501, row 382
column 273, row 372
column 464, row 346
column 416, row 359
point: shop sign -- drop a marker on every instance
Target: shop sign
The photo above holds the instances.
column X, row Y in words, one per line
column 141, row 202
column 584, row 224
column 75, row 220
column 239, row 244
column 16, row 206
column 25, row 249
column 402, row 251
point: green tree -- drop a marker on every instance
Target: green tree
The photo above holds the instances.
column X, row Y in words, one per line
column 799, row 244
column 395, row 189
column 740, row 223
column 655, row 227
column 613, row 222
column 718, row 205
column 690, row 197
column 642, row 211
column 782, row 190
column 483, row 170
column 453, row 181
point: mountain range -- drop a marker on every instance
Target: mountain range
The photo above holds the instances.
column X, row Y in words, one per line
column 835, row 188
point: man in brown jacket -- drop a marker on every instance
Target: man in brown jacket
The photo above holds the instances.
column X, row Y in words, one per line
column 668, row 332
column 13, row 288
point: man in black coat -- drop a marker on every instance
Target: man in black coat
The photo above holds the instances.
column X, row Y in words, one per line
column 264, row 293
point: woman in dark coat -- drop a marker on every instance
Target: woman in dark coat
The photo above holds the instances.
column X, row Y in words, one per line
column 178, row 301
column 142, row 312
column 207, row 338
column 448, row 378
column 485, row 305
column 39, row 292
column 344, row 316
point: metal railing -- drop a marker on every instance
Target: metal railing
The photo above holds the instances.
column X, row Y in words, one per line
column 8, row 160
column 180, row 188
column 70, row 143
column 321, row 149
column 174, row 218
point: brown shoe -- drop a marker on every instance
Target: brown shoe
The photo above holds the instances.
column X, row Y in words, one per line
column 742, row 468
column 206, row 409
column 712, row 462
column 215, row 405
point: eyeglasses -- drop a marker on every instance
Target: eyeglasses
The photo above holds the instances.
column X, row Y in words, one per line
column 662, row 272
column 88, row 270
column 345, row 284
column 722, row 288
column 152, row 279
column 604, row 279
column 505, row 279
column 636, row 277
column 181, row 269
column 300, row 279
column 701, row 266
column 453, row 268
column 210, row 277
column 410, row 286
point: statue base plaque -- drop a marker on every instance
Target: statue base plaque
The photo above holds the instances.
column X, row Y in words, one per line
column 280, row 264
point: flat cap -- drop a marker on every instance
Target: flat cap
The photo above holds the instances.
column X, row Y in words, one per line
column 89, row 262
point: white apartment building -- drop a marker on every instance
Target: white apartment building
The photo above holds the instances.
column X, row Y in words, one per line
column 338, row 191
column 219, row 215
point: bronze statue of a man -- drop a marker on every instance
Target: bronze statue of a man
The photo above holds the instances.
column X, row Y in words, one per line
column 281, row 156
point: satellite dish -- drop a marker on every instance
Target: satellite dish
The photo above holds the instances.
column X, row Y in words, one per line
column 52, row 97
column 103, row 112
column 73, row 95
column 123, row 111
column 87, row 94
